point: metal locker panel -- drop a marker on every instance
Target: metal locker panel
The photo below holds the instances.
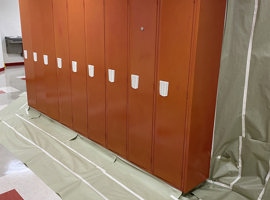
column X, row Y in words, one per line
column 176, row 20
column 37, row 44
column 142, row 51
column 62, row 56
column 48, row 51
column 202, row 100
column 116, row 61
column 77, row 54
column 27, row 45
column 94, row 16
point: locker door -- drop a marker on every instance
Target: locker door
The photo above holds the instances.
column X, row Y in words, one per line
column 78, row 64
column 94, row 16
column 142, row 50
column 37, row 35
column 62, row 56
column 174, row 55
column 116, row 62
column 27, row 44
column 49, row 52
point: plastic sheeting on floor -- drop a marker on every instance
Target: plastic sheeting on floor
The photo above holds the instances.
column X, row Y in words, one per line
column 74, row 167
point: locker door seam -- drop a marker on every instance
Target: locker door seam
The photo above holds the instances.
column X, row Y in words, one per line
column 54, row 61
column 192, row 61
column 156, row 68
column 128, row 72
column 69, row 64
column 85, row 66
column 105, row 79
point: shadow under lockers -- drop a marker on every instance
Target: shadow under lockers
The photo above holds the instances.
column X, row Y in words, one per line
column 136, row 76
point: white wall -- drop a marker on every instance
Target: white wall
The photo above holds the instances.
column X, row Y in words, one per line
column 10, row 25
column 1, row 55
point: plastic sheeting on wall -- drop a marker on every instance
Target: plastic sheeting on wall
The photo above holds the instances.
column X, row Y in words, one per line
column 241, row 151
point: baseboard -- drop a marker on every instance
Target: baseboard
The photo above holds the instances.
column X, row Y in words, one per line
column 14, row 64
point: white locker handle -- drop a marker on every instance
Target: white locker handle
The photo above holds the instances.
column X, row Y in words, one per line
column 91, row 69
column 74, row 66
column 59, row 63
column 45, row 58
column 111, row 75
column 163, row 88
column 35, row 56
column 134, row 81
column 25, row 54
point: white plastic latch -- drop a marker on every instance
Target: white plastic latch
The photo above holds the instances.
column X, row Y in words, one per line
column 59, row 63
column 25, row 54
column 35, row 56
column 45, row 58
column 74, row 66
column 111, row 75
column 163, row 88
column 134, row 81
column 91, row 69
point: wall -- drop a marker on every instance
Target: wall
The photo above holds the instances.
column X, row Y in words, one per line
column 9, row 26
column 1, row 56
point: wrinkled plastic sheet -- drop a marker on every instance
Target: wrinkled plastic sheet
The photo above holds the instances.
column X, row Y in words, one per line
column 241, row 150
column 73, row 166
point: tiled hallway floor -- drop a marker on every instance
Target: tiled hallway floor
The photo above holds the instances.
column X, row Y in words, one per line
column 19, row 180
column 12, row 84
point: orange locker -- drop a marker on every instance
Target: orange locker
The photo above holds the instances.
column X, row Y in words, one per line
column 138, row 77
column 173, row 67
column 27, row 44
column 48, row 58
column 77, row 62
column 204, row 71
column 142, row 51
column 43, row 46
column 190, row 40
column 62, row 58
column 116, row 45
column 94, row 20
column 36, row 54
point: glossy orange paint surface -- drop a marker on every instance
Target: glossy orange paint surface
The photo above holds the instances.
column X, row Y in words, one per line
column 158, row 40
column 94, row 20
column 116, row 45
column 176, row 19
column 27, row 45
column 48, row 48
column 142, row 50
column 37, row 46
column 62, row 51
column 76, row 24
column 202, row 93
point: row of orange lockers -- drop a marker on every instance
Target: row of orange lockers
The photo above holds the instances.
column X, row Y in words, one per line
column 122, row 73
